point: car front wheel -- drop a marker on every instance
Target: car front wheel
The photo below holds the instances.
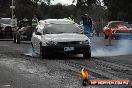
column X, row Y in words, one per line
column 14, row 38
column 87, row 55
column 18, row 39
column 42, row 53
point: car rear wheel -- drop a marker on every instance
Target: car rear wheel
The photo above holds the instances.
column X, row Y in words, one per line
column 18, row 39
column 87, row 55
column 14, row 38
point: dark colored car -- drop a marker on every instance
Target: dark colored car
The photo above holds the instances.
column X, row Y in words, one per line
column 6, row 32
column 6, row 28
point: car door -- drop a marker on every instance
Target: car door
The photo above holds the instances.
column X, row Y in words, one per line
column 108, row 30
column 105, row 28
column 36, row 39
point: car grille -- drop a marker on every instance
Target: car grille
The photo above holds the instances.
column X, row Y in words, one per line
column 68, row 43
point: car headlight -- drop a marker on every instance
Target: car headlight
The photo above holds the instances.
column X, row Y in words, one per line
column 51, row 43
column 84, row 42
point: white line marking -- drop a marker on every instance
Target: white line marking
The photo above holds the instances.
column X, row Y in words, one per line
column 4, row 45
column 7, row 85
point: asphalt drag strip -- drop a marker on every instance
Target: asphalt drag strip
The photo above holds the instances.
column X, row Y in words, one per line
column 58, row 72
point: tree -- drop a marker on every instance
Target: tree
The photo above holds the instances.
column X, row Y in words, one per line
column 4, row 8
column 119, row 10
column 86, row 5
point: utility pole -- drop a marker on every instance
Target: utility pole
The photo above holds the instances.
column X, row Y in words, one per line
column 14, row 21
column 12, row 8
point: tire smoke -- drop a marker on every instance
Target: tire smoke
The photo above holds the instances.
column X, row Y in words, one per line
column 119, row 47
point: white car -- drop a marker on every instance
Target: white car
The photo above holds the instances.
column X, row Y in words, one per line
column 53, row 36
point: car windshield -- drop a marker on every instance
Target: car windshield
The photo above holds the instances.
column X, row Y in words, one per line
column 115, row 24
column 5, row 21
column 62, row 28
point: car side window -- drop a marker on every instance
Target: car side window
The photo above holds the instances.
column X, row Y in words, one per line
column 109, row 25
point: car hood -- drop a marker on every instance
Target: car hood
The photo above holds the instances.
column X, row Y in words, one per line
column 65, row 37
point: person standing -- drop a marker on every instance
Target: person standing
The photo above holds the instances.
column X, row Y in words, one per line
column 87, row 23
column 71, row 18
column 34, row 22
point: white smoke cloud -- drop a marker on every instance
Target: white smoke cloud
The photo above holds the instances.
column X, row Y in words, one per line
column 123, row 47
column 31, row 53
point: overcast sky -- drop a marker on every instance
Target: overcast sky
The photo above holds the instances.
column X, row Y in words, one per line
column 67, row 2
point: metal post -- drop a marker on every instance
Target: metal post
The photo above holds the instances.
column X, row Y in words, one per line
column 12, row 8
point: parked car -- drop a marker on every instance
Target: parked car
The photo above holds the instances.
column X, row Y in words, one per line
column 61, row 36
column 6, row 28
column 117, row 30
column 23, row 34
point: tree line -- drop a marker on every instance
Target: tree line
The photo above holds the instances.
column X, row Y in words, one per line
column 119, row 9
column 114, row 10
column 27, row 8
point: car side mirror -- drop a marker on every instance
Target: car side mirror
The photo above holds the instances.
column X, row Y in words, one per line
column 38, row 33
column 82, row 32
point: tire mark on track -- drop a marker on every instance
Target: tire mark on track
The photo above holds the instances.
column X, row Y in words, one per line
column 115, row 69
column 95, row 73
column 110, row 70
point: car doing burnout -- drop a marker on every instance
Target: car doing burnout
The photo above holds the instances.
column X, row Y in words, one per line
column 61, row 36
column 117, row 30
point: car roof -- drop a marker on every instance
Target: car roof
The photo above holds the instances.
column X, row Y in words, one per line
column 5, row 18
column 57, row 21
column 115, row 21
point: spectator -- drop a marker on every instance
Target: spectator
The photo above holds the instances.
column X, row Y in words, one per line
column 87, row 23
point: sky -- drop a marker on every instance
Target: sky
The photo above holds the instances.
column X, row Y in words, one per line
column 66, row 2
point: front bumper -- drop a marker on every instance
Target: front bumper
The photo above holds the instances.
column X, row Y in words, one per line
column 6, row 32
column 122, row 36
column 76, row 49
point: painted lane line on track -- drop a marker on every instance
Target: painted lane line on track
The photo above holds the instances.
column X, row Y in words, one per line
column 7, row 85
column 4, row 45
